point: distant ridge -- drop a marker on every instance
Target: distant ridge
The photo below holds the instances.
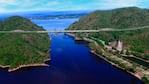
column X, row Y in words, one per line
column 121, row 18
column 117, row 18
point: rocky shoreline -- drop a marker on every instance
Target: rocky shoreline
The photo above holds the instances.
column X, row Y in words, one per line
column 115, row 65
column 7, row 66
column 79, row 39
column 24, row 66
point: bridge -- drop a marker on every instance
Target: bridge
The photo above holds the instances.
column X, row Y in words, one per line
column 76, row 31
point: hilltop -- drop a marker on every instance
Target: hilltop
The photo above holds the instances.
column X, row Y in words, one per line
column 121, row 18
column 128, row 50
column 116, row 18
column 17, row 22
column 22, row 49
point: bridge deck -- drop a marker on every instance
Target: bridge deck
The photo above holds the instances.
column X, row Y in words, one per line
column 74, row 31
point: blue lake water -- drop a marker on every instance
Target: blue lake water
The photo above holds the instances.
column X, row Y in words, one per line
column 71, row 63
column 55, row 24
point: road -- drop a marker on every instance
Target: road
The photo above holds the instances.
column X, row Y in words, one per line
column 76, row 31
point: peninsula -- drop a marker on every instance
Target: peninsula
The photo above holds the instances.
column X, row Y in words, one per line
column 19, row 50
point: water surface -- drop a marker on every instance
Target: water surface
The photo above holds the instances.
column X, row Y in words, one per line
column 71, row 64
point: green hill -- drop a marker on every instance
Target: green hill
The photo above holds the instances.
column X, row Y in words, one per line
column 16, row 22
column 22, row 48
column 121, row 18
column 117, row 18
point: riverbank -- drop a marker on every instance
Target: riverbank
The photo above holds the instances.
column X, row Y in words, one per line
column 79, row 39
column 115, row 65
column 135, row 74
column 25, row 66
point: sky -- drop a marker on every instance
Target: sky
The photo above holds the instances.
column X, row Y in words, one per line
column 66, row 5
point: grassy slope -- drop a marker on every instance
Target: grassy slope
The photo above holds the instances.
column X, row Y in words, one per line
column 17, row 49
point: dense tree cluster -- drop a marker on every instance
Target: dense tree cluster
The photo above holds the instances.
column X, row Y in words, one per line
column 22, row 48
column 122, row 18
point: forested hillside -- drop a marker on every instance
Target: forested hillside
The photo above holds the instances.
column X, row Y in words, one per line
column 22, row 48
column 122, row 18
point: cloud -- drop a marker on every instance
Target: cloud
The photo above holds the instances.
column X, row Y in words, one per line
column 8, row 2
column 30, row 5
column 109, row 4
column 2, row 10
column 53, row 3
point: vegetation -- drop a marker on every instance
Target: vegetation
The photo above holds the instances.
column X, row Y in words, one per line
column 145, row 64
column 121, row 18
column 98, row 41
column 21, row 48
column 135, row 42
column 117, row 18
column 122, row 65
column 145, row 80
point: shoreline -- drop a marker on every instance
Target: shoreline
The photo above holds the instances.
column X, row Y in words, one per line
column 113, row 64
column 79, row 39
column 25, row 66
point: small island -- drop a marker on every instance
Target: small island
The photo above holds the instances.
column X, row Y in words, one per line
column 19, row 50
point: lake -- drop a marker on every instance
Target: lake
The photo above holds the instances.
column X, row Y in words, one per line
column 71, row 63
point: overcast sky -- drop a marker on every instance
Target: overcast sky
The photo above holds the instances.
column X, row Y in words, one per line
column 62, row 5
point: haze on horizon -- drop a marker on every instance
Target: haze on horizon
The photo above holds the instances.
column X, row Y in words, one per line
column 67, row 5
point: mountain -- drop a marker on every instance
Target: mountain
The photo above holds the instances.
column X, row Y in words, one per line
column 18, row 49
column 121, row 18
column 46, row 14
column 116, row 18
column 16, row 22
